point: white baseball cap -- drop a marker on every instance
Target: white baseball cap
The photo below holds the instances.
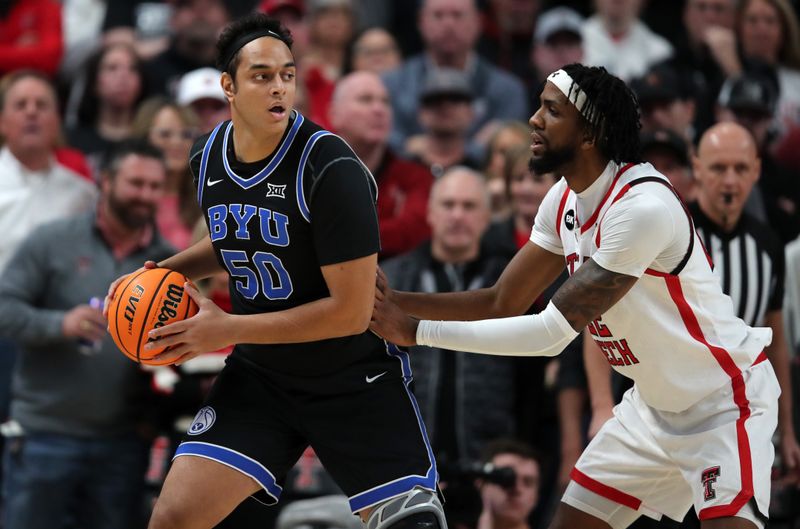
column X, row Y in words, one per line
column 556, row 20
column 202, row 83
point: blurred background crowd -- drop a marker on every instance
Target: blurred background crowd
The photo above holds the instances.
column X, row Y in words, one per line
column 101, row 101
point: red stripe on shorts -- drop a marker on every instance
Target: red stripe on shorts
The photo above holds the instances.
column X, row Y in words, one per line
column 604, row 490
column 739, row 398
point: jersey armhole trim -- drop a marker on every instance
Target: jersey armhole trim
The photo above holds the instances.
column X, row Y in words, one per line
column 302, row 203
column 560, row 212
column 647, row 179
column 204, row 163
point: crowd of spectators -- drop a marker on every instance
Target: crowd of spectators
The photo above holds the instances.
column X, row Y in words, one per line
column 101, row 101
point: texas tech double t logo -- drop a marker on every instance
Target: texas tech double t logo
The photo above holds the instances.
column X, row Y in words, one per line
column 709, row 477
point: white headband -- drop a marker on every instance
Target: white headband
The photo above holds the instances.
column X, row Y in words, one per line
column 571, row 90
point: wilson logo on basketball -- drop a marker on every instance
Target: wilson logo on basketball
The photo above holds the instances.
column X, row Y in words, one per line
column 151, row 298
column 169, row 306
column 130, row 308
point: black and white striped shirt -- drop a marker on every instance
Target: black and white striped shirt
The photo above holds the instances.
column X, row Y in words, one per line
column 749, row 262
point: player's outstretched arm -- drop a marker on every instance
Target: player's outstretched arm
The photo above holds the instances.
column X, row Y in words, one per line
column 589, row 292
column 586, row 295
column 527, row 275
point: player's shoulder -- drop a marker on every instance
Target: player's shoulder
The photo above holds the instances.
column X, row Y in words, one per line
column 644, row 170
column 646, row 194
column 557, row 191
column 317, row 140
column 645, row 182
column 200, row 143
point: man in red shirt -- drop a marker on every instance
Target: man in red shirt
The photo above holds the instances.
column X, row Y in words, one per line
column 361, row 114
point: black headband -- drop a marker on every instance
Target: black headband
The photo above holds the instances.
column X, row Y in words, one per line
column 239, row 43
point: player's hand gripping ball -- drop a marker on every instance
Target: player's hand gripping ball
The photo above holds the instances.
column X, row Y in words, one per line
column 146, row 300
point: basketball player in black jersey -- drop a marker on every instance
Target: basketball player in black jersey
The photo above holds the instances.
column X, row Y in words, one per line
column 291, row 216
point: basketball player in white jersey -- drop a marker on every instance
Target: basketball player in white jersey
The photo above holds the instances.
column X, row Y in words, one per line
column 696, row 427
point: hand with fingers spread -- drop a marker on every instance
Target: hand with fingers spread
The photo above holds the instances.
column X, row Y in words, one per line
column 206, row 331
column 112, row 289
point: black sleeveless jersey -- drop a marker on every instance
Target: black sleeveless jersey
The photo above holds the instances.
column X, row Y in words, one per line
column 275, row 222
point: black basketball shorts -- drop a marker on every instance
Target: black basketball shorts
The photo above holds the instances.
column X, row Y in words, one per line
column 363, row 423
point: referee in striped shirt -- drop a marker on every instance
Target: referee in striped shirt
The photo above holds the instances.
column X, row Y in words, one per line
column 747, row 255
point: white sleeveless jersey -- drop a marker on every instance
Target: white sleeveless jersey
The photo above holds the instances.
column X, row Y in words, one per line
column 675, row 332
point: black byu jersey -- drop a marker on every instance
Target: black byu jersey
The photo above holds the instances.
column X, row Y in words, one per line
column 275, row 222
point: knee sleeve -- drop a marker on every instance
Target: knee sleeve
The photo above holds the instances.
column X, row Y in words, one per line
column 417, row 509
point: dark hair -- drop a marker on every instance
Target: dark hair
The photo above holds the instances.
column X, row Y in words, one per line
column 789, row 52
column 188, row 209
column 613, row 112
column 7, row 81
column 88, row 107
column 236, row 34
column 139, row 147
column 505, row 445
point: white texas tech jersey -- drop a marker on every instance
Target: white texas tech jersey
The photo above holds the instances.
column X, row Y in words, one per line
column 674, row 333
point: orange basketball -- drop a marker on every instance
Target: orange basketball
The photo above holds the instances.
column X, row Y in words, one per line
column 142, row 302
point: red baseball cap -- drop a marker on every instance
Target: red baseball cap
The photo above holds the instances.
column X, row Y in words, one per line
column 270, row 6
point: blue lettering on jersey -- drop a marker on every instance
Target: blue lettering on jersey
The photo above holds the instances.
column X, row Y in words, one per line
column 274, row 225
column 280, row 289
column 281, row 238
column 270, row 277
column 263, row 272
column 216, row 222
column 242, row 219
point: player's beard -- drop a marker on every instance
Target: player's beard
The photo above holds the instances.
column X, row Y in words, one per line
column 131, row 218
column 552, row 160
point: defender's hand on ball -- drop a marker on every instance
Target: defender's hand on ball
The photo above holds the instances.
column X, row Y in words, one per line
column 206, row 331
column 391, row 323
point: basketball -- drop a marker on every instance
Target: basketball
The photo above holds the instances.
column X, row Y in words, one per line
column 146, row 300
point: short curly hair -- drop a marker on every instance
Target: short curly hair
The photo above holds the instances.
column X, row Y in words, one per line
column 240, row 28
column 614, row 112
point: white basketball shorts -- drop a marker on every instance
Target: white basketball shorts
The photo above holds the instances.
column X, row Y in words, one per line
column 717, row 455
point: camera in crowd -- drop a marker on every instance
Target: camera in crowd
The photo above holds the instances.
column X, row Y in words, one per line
column 461, row 493
column 468, row 471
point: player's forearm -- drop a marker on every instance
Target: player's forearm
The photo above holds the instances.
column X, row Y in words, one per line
column 780, row 363
column 598, row 375
column 196, row 262
column 317, row 320
column 543, row 334
column 462, row 306
column 571, row 405
column 527, row 275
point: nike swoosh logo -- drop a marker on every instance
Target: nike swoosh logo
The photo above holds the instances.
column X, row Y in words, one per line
column 213, row 182
column 370, row 379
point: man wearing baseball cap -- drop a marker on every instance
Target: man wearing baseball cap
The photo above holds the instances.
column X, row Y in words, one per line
column 200, row 89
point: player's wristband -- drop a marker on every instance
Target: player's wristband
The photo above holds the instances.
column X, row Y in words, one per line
column 543, row 334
